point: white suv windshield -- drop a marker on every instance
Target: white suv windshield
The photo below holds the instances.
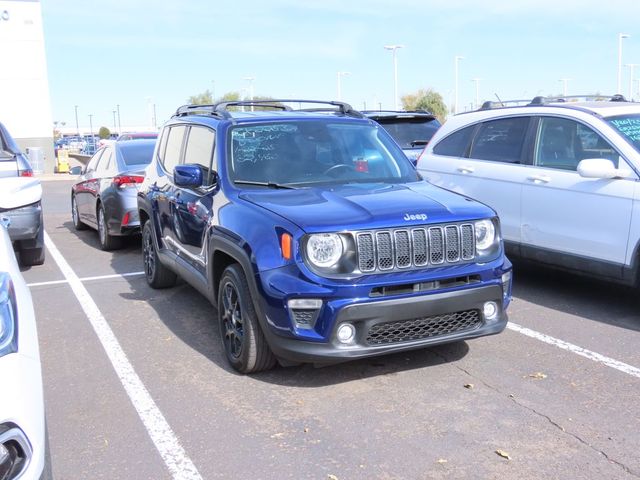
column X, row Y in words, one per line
column 313, row 152
column 629, row 128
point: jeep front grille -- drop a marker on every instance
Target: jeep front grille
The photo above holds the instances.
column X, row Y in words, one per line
column 404, row 248
column 420, row 328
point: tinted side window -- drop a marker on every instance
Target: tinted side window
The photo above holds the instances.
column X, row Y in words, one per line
column 199, row 151
column 163, row 144
column 93, row 163
column 562, row 143
column 455, row 145
column 174, row 147
column 500, row 140
column 105, row 161
column 199, row 146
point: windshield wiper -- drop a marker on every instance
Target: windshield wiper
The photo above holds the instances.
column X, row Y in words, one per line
column 264, row 184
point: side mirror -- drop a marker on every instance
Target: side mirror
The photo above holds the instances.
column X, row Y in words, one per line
column 188, row 175
column 599, row 168
column 77, row 170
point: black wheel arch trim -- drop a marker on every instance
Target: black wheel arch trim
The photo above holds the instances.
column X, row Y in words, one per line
column 226, row 245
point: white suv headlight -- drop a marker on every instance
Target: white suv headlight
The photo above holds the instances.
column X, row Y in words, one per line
column 324, row 249
column 485, row 235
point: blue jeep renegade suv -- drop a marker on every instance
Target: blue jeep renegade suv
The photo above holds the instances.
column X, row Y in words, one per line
column 315, row 237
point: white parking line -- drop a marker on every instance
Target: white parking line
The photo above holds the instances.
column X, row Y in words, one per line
column 174, row 456
column 86, row 279
column 583, row 352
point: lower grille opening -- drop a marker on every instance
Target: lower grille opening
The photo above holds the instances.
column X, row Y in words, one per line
column 421, row 328
column 424, row 286
column 304, row 318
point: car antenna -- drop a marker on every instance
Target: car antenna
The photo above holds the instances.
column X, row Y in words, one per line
column 499, row 99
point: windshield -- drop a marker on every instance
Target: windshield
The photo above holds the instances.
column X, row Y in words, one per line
column 629, row 128
column 309, row 152
column 407, row 130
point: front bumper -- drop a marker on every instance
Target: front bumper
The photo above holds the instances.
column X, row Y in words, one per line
column 25, row 222
column 383, row 325
column 22, row 410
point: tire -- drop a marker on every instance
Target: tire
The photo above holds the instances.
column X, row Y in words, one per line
column 75, row 215
column 157, row 274
column 33, row 254
column 107, row 242
column 242, row 339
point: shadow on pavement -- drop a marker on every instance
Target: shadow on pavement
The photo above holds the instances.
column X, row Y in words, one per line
column 194, row 321
column 601, row 301
column 122, row 260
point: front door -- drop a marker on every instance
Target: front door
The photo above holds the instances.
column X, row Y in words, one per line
column 563, row 212
column 192, row 207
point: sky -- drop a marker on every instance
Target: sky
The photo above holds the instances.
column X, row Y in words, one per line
column 153, row 52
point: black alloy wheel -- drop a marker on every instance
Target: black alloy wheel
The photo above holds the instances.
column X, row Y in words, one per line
column 232, row 321
column 157, row 275
column 243, row 341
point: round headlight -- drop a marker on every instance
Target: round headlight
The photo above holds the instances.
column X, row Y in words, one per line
column 485, row 234
column 324, row 249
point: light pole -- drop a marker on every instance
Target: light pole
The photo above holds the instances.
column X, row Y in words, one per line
column 77, row 127
column 564, row 81
column 250, row 80
column 394, row 49
column 119, row 124
column 631, row 67
column 91, row 124
column 149, row 111
column 114, row 120
column 340, row 75
column 456, row 59
column 477, row 82
column 620, row 37
column 213, row 91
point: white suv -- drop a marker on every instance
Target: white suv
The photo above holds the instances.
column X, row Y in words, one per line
column 562, row 175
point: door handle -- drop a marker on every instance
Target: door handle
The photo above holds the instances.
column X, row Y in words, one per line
column 539, row 178
column 466, row 169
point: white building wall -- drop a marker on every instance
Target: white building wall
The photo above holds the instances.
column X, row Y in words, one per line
column 25, row 107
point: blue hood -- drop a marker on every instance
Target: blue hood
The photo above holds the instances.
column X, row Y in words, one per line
column 367, row 206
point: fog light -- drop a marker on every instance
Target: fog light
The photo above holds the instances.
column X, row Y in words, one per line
column 305, row 303
column 490, row 310
column 346, row 333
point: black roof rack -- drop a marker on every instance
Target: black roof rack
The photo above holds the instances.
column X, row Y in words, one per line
column 222, row 109
column 540, row 100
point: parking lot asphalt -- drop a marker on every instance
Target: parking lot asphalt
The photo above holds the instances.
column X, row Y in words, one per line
column 563, row 403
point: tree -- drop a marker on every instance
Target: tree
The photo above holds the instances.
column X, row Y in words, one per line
column 206, row 98
column 104, row 133
column 203, row 98
column 429, row 100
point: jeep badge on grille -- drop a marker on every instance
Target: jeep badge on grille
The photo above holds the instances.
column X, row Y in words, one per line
column 418, row 216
